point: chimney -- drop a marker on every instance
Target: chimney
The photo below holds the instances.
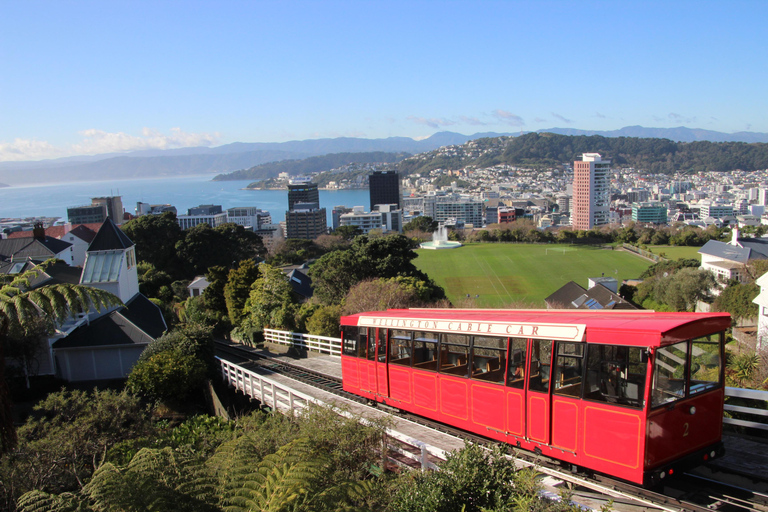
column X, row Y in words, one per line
column 735, row 238
column 38, row 232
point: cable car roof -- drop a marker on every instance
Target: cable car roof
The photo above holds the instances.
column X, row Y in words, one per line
column 617, row 327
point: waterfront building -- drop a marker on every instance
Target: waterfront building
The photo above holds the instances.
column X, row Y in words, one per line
column 591, row 192
column 384, row 188
column 87, row 214
column 715, row 210
column 649, row 213
column 306, row 221
column 336, row 214
column 391, row 217
column 365, row 221
column 113, row 206
column 248, row 216
column 302, row 190
column 153, row 209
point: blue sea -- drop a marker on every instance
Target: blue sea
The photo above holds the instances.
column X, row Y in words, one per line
column 182, row 192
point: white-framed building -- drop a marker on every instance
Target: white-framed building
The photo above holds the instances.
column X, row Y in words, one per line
column 762, row 313
column 213, row 220
column 248, row 216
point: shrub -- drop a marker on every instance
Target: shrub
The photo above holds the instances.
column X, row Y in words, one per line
column 169, row 375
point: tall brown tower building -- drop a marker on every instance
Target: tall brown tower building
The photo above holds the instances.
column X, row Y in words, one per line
column 591, row 191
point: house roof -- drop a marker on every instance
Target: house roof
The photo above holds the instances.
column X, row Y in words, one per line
column 109, row 330
column 58, row 231
column 574, row 296
column 146, row 315
column 758, row 247
column 84, row 233
column 300, row 282
column 724, row 251
column 34, row 248
column 199, row 282
column 139, row 323
column 110, row 238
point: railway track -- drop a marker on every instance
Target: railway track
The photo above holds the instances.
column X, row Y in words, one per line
column 687, row 492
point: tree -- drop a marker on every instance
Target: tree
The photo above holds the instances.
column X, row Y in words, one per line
column 324, row 321
column 20, row 307
column 683, row 289
column 379, row 295
column 422, row 223
column 334, row 274
column 202, row 247
column 69, row 436
column 348, row 232
column 155, row 237
column 270, row 303
column 238, row 289
column 736, row 299
column 170, row 375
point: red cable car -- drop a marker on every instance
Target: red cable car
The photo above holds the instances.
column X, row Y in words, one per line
column 637, row 395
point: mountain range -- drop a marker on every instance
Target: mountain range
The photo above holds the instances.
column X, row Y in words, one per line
column 240, row 155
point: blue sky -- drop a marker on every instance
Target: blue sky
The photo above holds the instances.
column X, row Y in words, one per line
column 82, row 77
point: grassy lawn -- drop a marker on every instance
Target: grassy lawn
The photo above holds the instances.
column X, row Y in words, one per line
column 674, row 252
column 505, row 274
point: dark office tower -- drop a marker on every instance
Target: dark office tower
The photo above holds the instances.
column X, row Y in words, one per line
column 385, row 188
column 302, row 191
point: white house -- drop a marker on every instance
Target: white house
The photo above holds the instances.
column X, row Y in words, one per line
column 762, row 315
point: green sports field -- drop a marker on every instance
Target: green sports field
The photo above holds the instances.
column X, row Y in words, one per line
column 508, row 274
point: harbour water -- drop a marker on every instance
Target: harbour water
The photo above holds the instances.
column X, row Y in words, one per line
column 181, row 192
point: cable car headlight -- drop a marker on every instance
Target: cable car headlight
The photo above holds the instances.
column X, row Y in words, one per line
column 692, row 410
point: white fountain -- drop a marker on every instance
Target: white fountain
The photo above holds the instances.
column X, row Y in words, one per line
column 440, row 240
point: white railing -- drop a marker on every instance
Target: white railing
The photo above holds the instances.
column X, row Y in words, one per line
column 757, row 403
column 322, row 344
column 283, row 398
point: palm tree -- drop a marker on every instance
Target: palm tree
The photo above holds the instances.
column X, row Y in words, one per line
column 20, row 310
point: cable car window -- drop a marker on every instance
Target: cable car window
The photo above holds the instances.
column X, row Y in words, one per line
column 517, row 350
column 454, row 354
column 489, row 358
column 669, row 372
column 400, row 347
column 372, row 344
column 705, row 363
column 349, row 340
column 382, row 346
column 362, row 336
column 616, row 374
column 541, row 361
column 425, row 351
column 569, row 369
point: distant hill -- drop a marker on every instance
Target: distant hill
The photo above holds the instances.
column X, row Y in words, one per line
column 679, row 134
column 2, row 185
column 311, row 165
column 241, row 155
column 546, row 150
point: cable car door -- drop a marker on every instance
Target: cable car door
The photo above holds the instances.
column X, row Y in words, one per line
column 537, row 391
column 382, row 381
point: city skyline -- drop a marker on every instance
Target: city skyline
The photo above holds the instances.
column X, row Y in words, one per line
column 94, row 77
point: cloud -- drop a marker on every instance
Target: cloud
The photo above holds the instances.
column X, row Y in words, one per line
column 472, row 121
column 98, row 141
column 432, row 122
column 563, row 119
column 508, row 117
column 539, row 120
column 599, row 115
column 28, row 149
column 677, row 118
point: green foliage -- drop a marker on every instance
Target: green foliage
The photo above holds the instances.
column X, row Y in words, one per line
column 390, row 256
column 237, row 290
column 422, row 223
column 152, row 280
column 203, row 247
column 324, row 321
column 669, row 267
column 737, row 298
column 380, row 295
column 169, row 376
column 741, row 369
column 270, row 303
column 471, row 480
column 348, row 232
column 155, row 237
column 217, row 277
column 67, row 438
column 679, row 291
